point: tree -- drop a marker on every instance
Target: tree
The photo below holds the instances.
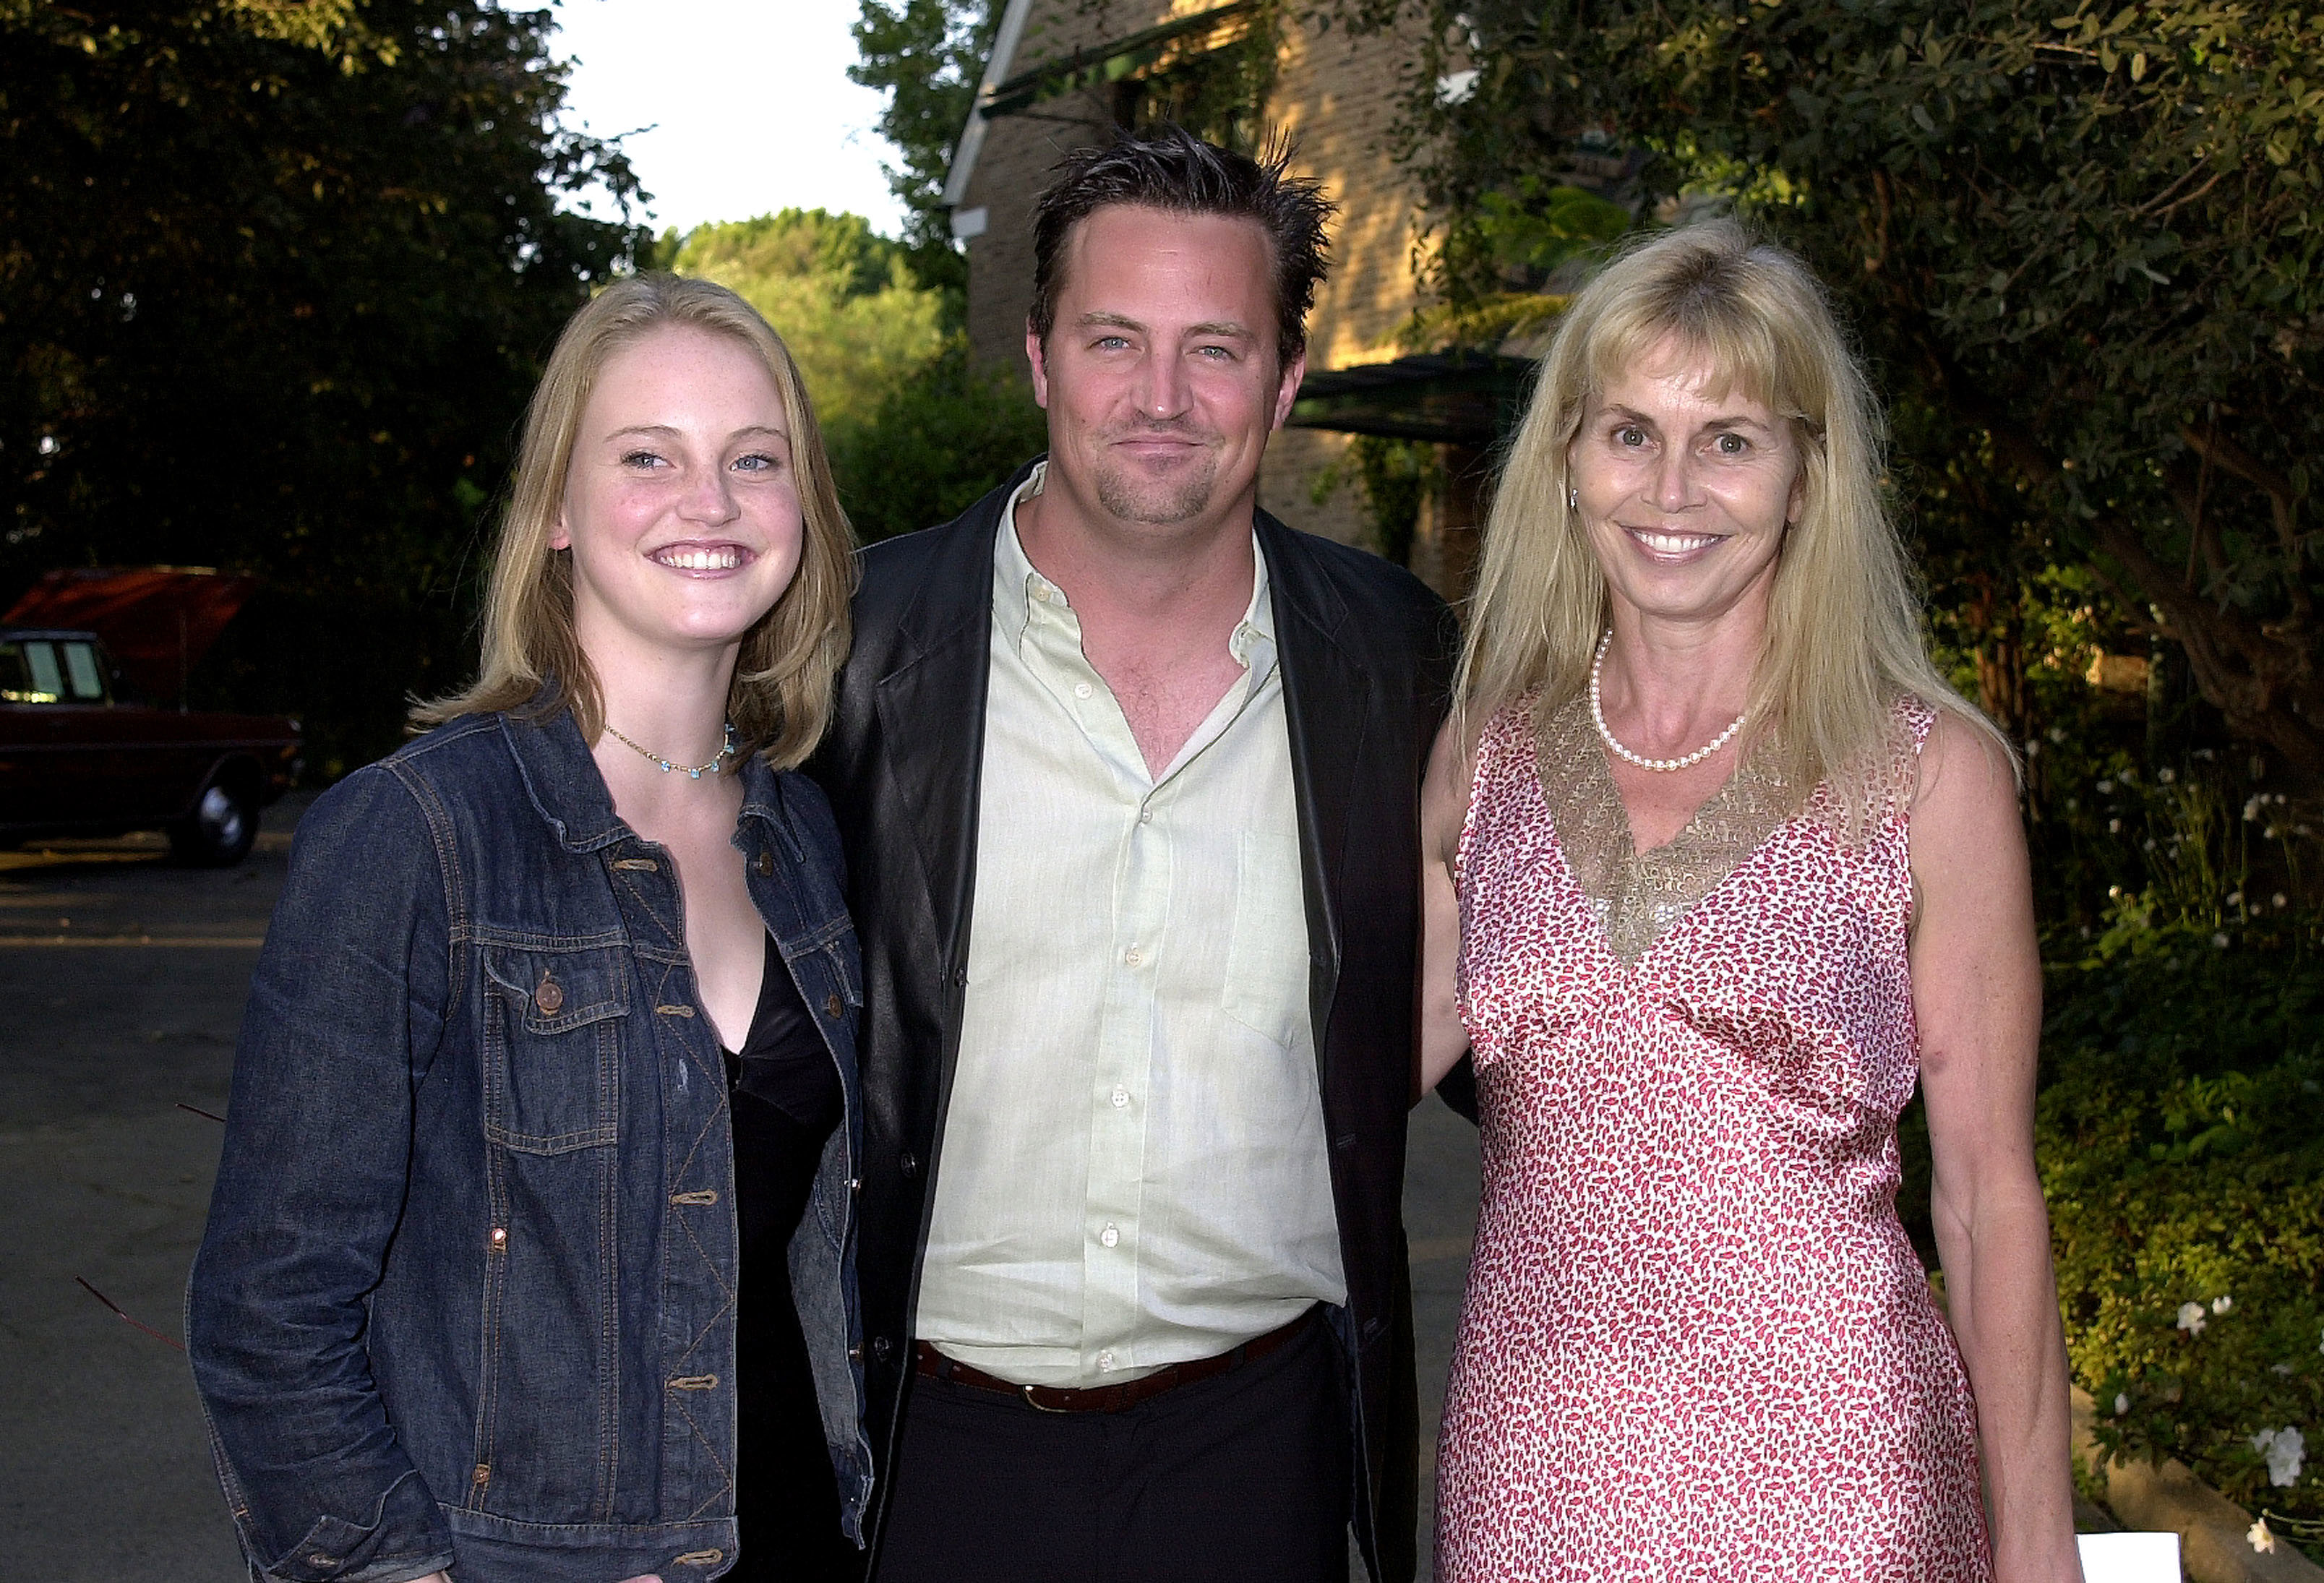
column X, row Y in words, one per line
column 275, row 279
column 842, row 297
column 2084, row 245
column 927, row 56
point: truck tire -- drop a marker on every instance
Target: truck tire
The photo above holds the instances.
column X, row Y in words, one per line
column 218, row 832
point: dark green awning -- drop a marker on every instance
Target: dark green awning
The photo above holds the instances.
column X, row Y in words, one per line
column 1462, row 397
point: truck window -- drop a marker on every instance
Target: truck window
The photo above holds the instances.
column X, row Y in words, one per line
column 87, row 677
column 16, row 677
column 48, row 682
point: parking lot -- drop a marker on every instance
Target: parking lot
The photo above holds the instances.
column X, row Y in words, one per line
column 123, row 977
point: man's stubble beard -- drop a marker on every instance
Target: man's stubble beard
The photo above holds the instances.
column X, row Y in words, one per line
column 1160, row 503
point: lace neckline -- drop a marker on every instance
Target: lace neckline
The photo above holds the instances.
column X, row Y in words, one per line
column 1638, row 896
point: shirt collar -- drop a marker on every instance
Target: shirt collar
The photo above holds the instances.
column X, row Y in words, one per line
column 1019, row 589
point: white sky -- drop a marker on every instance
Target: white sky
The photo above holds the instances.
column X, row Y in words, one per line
column 748, row 100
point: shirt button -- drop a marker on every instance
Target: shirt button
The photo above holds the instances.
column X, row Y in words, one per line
column 1133, row 956
column 1146, row 815
column 910, row 1166
column 1041, row 591
column 1110, row 1236
column 1105, row 1361
column 1120, row 1097
column 1081, row 689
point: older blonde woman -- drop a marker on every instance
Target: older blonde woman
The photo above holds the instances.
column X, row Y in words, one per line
column 1717, row 866
column 551, row 1043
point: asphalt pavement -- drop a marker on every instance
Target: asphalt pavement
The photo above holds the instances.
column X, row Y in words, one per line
column 122, row 980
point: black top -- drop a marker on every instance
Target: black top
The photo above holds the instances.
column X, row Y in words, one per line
column 787, row 1099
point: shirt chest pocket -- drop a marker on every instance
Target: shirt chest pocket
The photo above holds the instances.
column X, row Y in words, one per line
column 1267, row 950
column 553, row 1023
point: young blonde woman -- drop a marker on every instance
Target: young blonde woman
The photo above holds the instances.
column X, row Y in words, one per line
column 1717, row 866
column 548, row 1066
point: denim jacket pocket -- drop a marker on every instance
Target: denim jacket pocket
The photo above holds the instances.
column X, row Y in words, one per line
column 553, row 1020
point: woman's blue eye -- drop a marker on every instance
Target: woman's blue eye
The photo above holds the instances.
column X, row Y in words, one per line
column 1731, row 445
column 639, row 459
column 1630, row 434
column 757, row 462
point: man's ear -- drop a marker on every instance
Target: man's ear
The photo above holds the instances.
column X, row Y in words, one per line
column 1294, row 371
column 1036, row 355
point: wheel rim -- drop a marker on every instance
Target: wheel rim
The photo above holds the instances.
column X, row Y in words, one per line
column 221, row 818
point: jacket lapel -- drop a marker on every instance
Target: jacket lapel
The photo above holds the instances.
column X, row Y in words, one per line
column 1327, row 698
column 931, row 709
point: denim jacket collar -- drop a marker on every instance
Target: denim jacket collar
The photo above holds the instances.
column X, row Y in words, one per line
column 569, row 791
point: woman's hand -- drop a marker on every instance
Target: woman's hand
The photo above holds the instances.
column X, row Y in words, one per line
column 1444, row 808
column 1976, row 993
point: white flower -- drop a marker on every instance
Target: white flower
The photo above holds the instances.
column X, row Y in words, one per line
column 2278, row 899
column 2221, row 1303
column 2234, row 899
column 2261, row 1539
column 2220, row 940
column 2121, row 1405
column 2191, row 1318
column 2105, row 787
column 2284, row 1449
column 2166, row 775
column 2252, row 805
column 2114, row 827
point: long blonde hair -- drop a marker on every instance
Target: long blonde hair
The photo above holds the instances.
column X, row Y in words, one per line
column 780, row 698
column 1843, row 640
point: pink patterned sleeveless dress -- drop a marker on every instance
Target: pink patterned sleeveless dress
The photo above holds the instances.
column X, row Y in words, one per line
column 1697, row 1344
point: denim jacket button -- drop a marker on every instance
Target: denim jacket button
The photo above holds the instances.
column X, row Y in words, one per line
column 766, row 863
column 832, row 1009
column 550, row 996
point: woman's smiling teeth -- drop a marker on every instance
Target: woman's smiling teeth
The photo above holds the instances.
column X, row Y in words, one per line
column 1673, row 543
column 688, row 558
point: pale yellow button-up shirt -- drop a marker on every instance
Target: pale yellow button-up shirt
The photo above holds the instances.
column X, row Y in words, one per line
column 1133, row 1170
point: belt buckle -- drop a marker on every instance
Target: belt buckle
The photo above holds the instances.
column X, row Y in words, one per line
column 1027, row 1391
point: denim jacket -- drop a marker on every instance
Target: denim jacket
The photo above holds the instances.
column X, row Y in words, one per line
column 466, row 1298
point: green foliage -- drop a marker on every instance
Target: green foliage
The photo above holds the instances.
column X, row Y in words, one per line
column 274, row 283
column 927, row 56
column 934, row 446
column 1533, row 229
column 2183, row 1161
column 2084, row 245
column 1395, row 475
column 842, row 297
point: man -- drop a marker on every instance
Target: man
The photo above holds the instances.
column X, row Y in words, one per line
column 1128, row 775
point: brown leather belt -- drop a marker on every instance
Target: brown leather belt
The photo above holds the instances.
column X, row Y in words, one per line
column 934, row 1365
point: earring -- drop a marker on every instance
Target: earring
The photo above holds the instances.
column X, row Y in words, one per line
column 1573, row 500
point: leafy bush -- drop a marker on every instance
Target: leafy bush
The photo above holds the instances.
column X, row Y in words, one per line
column 2181, row 1154
column 935, row 444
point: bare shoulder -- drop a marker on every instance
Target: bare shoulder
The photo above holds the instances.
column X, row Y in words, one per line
column 1445, row 793
column 1967, row 800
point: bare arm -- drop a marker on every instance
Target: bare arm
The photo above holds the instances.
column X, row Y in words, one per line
column 1977, row 992
column 1444, row 805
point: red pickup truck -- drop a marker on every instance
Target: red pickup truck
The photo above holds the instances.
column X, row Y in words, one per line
column 82, row 754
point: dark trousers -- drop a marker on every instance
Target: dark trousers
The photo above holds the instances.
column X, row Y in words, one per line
column 1241, row 1479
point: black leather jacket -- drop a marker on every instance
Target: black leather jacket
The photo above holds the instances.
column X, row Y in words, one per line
column 1367, row 654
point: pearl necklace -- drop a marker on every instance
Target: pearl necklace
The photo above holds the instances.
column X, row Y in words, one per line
column 693, row 771
column 1606, row 735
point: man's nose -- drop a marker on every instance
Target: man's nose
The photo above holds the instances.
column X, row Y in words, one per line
column 1162, row 387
